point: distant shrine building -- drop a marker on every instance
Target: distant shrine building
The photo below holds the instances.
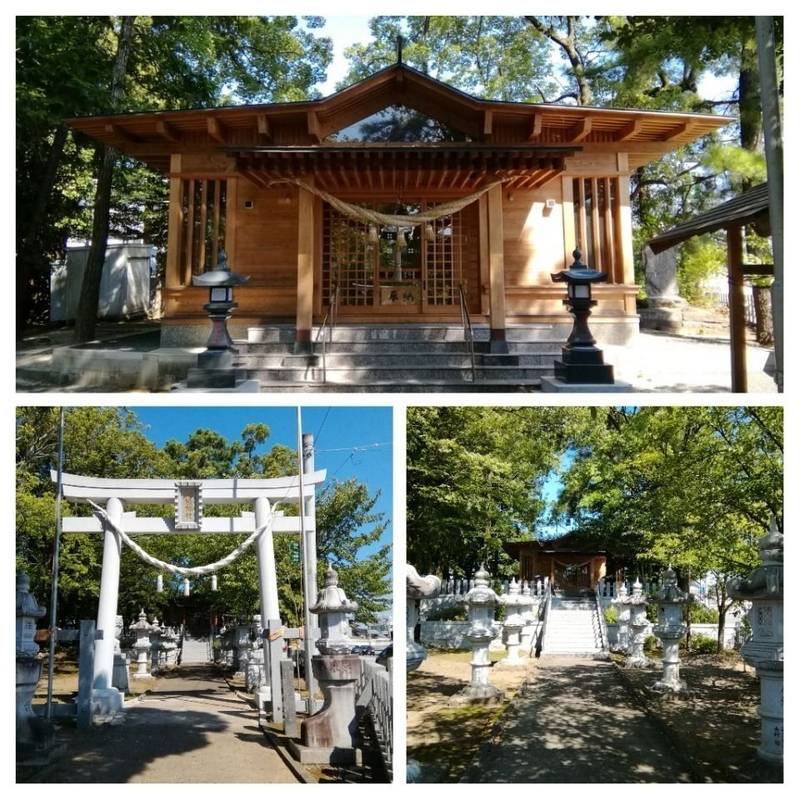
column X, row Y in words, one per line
column 567, row 562
column 249, row 179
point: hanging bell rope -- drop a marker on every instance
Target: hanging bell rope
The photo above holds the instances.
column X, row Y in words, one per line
column 368, row 215
column 173, row 568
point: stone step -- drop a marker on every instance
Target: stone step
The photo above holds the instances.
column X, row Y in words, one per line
column 403, row 360
column 405, row 388
column 407, row 332
column 390, row 347
column 397, row 375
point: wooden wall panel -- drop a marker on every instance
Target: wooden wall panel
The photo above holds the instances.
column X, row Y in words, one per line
column 266, row 236
column 533, row 236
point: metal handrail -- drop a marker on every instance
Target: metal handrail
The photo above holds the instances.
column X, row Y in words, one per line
column 601, row 618
column 544, row 616
column 328, row 323
column 467, row 323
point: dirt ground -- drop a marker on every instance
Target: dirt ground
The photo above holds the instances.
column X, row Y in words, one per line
column 716, row 725
column 431, row 721
column 65, row 683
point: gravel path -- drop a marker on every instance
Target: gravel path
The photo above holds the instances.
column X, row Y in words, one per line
column 576, row 723
column 191, row 729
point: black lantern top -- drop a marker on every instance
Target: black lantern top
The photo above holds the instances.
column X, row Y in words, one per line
column 578, row 272
column 220, row 276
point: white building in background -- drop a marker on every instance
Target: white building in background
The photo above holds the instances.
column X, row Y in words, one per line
column 129, row 275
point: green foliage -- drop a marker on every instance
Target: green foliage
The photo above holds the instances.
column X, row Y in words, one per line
column 700, row 258
column 64, row 67
column 455, row 613
column 652, row 644
column 652, row 612
column 696, row 612
column 471, row 482
column 702, row 645
column 611, row 615
column 108, row 442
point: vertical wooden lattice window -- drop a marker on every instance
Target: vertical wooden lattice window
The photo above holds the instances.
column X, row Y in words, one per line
column 347, row 260
column 204, row 206
column 443, row 253
column 596, row 209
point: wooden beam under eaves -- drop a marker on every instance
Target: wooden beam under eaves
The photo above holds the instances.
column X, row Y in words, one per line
column 262, row 124
column 536, row 127
column 579, row 131
column 487, row 124
column 167, row 131
column 629, row 130
column 215, row 130
column 313, row 126
column 118, row 132
column 681, row 130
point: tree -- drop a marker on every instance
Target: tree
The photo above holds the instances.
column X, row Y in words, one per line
column 473, row 476
column 63, row 70
column 694, row 487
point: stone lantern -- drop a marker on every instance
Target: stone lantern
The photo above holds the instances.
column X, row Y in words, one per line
column 623, row 618
column 417, row 588
column 637, row 604
column 141, row 646
column 329, row 736
column 481, row 601
column 120, row 677
column 764, row 649
column 670, row 630
column 581, row 360
column 513, row 624
column 526, row 609
column 156, row 646
column 31, row 734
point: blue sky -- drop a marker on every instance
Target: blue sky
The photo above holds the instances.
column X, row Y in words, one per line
column 350, row 442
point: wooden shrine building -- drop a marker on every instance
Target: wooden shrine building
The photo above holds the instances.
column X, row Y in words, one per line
column 248, row 179
column 569, row 562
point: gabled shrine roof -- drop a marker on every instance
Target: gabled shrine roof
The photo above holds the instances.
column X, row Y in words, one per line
column 154, row 136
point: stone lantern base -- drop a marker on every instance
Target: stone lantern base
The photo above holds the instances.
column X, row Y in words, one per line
column 34, row 734
column 770, row 675
column 329, row 736
column 476, row 695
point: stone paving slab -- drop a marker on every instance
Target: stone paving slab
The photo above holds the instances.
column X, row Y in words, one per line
column 191, row 729
column 576, row 723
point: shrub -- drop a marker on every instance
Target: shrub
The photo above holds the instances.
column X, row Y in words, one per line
column 699, row 259
column 652, row 612
column 611, row 615
column 456, row 613
column 651, row 643
column 696, row 612
column 703, row 644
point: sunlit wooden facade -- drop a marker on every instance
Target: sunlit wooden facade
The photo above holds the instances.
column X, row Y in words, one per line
column 565, row 173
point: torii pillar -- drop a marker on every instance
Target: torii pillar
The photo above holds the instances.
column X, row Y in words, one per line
column 267, row 577
column 105, row 698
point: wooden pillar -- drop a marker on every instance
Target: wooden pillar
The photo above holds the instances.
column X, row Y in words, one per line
column 736, row 306
column 568, row 210
column 175, row 225
column 497, row 282
column 305, row 270
column 624, row 229
column 483, row 251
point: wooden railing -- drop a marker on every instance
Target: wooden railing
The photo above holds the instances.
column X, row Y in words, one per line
column 328, row 324
column 467, row 323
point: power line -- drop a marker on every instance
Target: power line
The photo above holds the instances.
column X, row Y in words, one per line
column 316, row 436
column 356, row 447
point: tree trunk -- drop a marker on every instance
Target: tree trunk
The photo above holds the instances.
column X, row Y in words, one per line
column 750, row 124
column 721, row 628
column 762, row 300
column 86, row 317
column 30, row 256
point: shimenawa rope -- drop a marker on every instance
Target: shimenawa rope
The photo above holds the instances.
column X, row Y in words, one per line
column 163, row 565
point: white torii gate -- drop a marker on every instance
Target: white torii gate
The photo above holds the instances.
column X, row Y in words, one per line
column 188, row 498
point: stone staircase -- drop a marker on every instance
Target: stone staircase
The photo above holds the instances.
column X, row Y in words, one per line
column 402, row 358
column 573, row 627
column 196, row 650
